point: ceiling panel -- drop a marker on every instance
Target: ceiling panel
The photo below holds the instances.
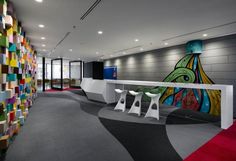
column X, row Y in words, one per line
column 122, row 21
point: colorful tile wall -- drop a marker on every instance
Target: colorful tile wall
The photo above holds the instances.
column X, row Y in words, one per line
column 17, row 74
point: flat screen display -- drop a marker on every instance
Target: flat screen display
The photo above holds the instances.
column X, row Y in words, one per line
column 110, row 72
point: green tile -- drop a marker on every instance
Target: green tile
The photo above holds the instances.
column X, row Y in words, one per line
column 4, row 41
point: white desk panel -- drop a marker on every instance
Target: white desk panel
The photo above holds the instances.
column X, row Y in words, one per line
column 98, row 90
column 105, row 90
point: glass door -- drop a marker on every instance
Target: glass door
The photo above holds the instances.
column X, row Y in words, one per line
column 48, row 74
column 57, row 74
column 40, row 73
column 75, row 73
column 66, row 78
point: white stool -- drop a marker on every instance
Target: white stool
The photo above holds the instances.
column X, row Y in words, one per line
column 121, row 104
column 154, row 100
column 136, row 108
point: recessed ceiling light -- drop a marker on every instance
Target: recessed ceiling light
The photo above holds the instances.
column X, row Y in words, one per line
column 166, row 43
column 39, row 1
column 70, row 50
column 100, row 32
column 41, row 25
column 136, row 40
column 43, row 38
column 141, row 49
column 43, row 45
column 124, row 53
column 97, row 53
column 78, row 58
column 204, row 35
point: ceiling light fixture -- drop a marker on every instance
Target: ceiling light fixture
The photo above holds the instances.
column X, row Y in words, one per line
column 141, row 49
column 166, row 43
column 70, row 50
column 39, row 1
column 43, row 45
column 97, row 53
column 124, row 53
column 100, row 32
column 43, row 38
column 41, row 26
column 204, row 35
column 136, row 40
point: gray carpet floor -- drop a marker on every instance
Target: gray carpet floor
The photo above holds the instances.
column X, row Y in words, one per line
column 65, row 127
column 57, row 129
column 185, row 138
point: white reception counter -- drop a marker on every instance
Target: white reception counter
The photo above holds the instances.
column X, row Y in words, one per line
column 103, row 91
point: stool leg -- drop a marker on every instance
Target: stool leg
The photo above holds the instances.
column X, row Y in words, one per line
column 136, row 109
column 154, row 113
column 121, row 105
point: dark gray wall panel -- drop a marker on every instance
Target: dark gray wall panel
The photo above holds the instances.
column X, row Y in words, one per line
column 88, row 70
column 218, row 60
column 214, row 60
column 232, row 58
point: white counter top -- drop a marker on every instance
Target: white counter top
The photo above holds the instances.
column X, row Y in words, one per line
column 169, row 84
column 103, row 90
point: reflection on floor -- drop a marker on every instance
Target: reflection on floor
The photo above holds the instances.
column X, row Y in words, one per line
column 143, row 141
column 70, row 127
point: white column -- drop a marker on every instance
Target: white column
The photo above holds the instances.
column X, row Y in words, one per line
column 226, row 107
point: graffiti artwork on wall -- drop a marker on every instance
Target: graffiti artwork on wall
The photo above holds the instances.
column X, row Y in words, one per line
column 189, row 70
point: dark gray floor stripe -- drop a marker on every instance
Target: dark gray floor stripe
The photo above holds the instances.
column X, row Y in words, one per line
column 143, row 141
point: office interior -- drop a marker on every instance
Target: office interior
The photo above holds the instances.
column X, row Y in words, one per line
column 109, row 80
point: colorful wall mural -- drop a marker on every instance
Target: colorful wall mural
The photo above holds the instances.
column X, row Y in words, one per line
column 17, row 75
column 189, row 70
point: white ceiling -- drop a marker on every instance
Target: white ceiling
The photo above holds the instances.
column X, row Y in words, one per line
column 122, row 21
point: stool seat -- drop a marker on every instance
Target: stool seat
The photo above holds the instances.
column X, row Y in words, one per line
column 136, row 106
column 154, row 113
column 121, row 104
column 135, row 93
column 151, row 95
column 118, row 91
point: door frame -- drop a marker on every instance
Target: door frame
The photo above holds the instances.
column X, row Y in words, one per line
column 61, row 74
column 75, row 61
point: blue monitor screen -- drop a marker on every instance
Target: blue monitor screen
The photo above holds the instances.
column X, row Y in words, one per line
column 110, row 72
